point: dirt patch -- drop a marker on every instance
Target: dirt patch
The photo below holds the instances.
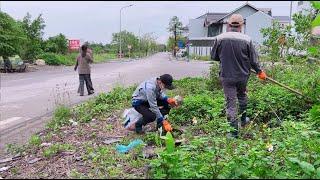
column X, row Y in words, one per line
column 34, row 162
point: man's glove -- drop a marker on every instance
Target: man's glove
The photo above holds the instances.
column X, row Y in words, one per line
column 262, row 75
column 167, row 126
column 172, row 102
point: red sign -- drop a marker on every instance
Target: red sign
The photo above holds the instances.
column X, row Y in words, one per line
column 74, row 44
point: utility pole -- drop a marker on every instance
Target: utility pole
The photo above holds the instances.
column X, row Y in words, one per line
column 290, row 11
column 175, row 40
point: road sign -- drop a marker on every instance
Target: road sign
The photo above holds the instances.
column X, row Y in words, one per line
column 74, row 44
column 180, row 44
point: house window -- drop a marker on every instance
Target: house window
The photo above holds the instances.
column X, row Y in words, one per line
column 214, row 30
column 300, row 3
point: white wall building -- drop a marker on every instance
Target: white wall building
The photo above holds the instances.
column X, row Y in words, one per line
column 203, row 29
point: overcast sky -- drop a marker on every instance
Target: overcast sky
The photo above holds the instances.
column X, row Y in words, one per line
column 97, row 20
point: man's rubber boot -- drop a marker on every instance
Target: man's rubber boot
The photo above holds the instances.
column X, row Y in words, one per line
column 234, row 124
column 244, row 120
column 139, row 127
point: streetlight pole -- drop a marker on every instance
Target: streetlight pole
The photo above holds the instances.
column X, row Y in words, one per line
column 120, row 27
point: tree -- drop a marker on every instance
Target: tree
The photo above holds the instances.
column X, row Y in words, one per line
column 302, row 25
column 127, row 38
column 97, row 47
column 171, row 41
column 34, row 32
column 278, row 41
column 57, row 44
column 175, row 27
column 148, row 44
column 11, row 36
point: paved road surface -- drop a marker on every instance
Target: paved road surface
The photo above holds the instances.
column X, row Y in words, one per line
column 28, row 99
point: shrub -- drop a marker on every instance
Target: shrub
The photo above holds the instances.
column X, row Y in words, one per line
column 56, row 59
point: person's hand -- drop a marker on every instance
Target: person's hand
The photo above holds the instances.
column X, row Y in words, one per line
column 262, row 75
column 172, row 102
column 167, row 126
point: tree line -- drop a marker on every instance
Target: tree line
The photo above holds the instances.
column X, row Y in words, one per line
column 25, row 38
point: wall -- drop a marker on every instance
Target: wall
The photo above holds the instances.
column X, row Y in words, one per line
column 245, row 12
column 256, row 22
column 196, row 28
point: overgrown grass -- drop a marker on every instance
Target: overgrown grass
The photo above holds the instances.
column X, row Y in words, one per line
column 267, row 147
column 98, row 58
column 197, row 57
column 104, row 104
column 70, row 58
column 61, row 117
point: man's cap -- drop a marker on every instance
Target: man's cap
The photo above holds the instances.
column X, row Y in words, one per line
column 167, row 80
column 235, row 20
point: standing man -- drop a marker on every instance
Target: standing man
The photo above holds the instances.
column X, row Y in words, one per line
column 151, row 102
column 83, row 61
column 237, row 55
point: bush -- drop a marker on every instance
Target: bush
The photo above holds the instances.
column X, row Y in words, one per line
column 57, row 59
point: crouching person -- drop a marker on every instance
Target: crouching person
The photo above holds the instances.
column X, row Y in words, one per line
column 151, row 102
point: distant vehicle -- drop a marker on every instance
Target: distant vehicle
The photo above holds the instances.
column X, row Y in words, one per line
column 16, row 64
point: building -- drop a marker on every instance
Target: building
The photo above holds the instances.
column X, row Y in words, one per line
column 203, row 29
column 303, row 7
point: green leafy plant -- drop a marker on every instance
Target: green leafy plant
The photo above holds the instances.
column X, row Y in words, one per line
column 314, row 115
column 61, row 117
column 55, row 149
column 35, row 141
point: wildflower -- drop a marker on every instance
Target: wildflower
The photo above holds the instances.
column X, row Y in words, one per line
column 269, row 146
column 194, row 120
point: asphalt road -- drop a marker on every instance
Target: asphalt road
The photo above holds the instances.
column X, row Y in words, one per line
column 28, row 99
